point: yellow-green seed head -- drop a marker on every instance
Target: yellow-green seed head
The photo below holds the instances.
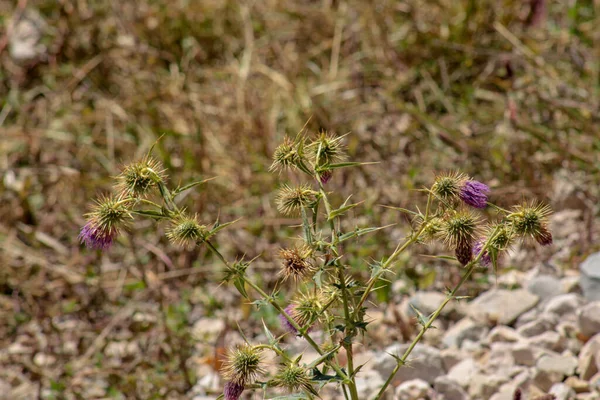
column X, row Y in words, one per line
column 307, row 308
column 291, row 200
column 460, row 227
column 137, row 179
column 286, row 156
column 327, row 149
column 447, row 186
column 293, row 377
column 186, row 231
column 243, row 364
column 532, row 220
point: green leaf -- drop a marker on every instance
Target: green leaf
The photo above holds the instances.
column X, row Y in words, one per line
column 340, row 211
column 403, row 210
column 217, row 226
column 360, row 231
column 238, row 282
column 272, row 340
column 150, row 213
column 319, row 376
column 189, row 186
column 348, row 164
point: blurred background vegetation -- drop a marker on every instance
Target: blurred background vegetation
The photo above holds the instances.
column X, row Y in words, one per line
column 506, row 91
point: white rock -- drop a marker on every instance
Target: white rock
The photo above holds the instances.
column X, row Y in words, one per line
column 499, row 358
column 503, row 334
column 207, row 329
column 425, row 362
column 464, row 329
column 570, row 284
column 507, row 390
column 553, row 368
column 451, row 357
column 368, row 383
column 427, row 302
column 563, row 364
column 589, row 358
column 502, row 306
column 43, row 360
column 548, row 340
column 590, row 277
column 24, row 41
column 449, row 389
column 415, row 389
column 562, row 391
column 588, row 319
column 483, row 386
column 545, row 286
column 463, row 372
column 526, row 354
column 563, row 305
column 541, row 324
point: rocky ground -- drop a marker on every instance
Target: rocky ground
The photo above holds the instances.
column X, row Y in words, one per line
column 538, row 330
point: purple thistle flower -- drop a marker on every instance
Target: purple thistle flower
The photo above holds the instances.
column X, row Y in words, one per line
column 232, row 391
column 486, row 259
column 474, row 193
column 289, row 310
column 96, row 238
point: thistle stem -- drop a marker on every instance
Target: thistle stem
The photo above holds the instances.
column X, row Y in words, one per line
column 402, row 361
column 281, row 311
column 399, row 249
column 349, row 320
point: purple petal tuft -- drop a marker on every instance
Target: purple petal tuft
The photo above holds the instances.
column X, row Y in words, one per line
column 474, row 193
column 232, row 391
column 95, row 238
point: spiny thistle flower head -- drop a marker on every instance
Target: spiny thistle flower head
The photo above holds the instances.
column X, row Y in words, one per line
column 108, row 216
column 296, row 263
column 243, row 364
column 459, row 226
column 286, row 155
column 304, row 311
column 186, row 231
column 290, row 200
column 232, row 391
column 447, row 186
column 293, row 377
column 307, row 308
column 474, row 193
column 459, row 231
column 138, row 178
column 327, row 149
column 532, row 220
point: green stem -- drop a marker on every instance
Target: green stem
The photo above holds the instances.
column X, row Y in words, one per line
column 347, row 341
column 399, row 249
column 402, row 361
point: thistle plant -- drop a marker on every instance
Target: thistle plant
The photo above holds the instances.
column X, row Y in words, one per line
column 325, row 296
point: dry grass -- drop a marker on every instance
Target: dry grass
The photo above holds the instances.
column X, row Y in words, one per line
column 422, row 87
